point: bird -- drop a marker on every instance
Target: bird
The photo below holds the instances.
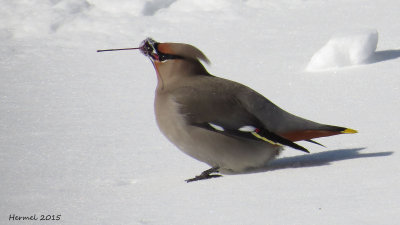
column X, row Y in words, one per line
column 220, row 122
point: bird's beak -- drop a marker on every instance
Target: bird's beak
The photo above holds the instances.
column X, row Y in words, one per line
column 149, row 48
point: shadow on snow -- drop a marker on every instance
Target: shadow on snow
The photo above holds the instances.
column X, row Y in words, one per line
column 380, row 56
column 319, row 159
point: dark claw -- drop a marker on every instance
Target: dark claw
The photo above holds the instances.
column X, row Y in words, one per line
column 201, row 177
column 206, row 175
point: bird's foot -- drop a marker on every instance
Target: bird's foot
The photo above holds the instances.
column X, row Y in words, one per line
column 206, row 175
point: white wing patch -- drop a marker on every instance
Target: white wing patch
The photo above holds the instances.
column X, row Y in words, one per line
column 216, row 127
column 254, row 131
column 247, row 129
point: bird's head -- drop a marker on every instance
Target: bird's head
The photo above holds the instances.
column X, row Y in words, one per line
column 172, row 61
column 162, row 52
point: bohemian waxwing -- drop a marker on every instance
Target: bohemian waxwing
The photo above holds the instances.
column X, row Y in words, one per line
column 220, row 122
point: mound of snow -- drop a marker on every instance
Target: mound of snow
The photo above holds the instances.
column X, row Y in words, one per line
column 151, row 7
column 345, row 50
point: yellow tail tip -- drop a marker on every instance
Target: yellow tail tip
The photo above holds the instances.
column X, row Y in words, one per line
column 349, row 131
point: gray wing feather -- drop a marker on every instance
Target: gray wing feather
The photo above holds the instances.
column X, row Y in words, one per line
column 220, row 104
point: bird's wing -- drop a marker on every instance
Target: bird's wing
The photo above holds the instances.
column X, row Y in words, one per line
column 217, row 111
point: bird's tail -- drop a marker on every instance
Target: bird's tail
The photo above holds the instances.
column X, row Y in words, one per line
column 322, row 131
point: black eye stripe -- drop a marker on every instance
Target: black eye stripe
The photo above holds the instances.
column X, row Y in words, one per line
column 163, row 56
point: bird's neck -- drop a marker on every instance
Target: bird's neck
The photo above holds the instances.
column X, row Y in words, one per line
column 171, row 74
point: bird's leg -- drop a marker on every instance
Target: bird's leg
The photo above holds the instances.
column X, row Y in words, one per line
column 206, row 175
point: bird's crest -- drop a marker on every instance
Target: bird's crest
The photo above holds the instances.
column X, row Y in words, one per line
column 183, row 50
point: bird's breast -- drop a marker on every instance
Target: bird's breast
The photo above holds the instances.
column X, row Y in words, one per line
column 228, row 153
column 169, row 120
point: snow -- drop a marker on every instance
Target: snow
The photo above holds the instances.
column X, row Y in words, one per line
column 78, row 136
column 345, row 50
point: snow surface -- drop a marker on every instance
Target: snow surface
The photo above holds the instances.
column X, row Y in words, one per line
column 78, row 136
